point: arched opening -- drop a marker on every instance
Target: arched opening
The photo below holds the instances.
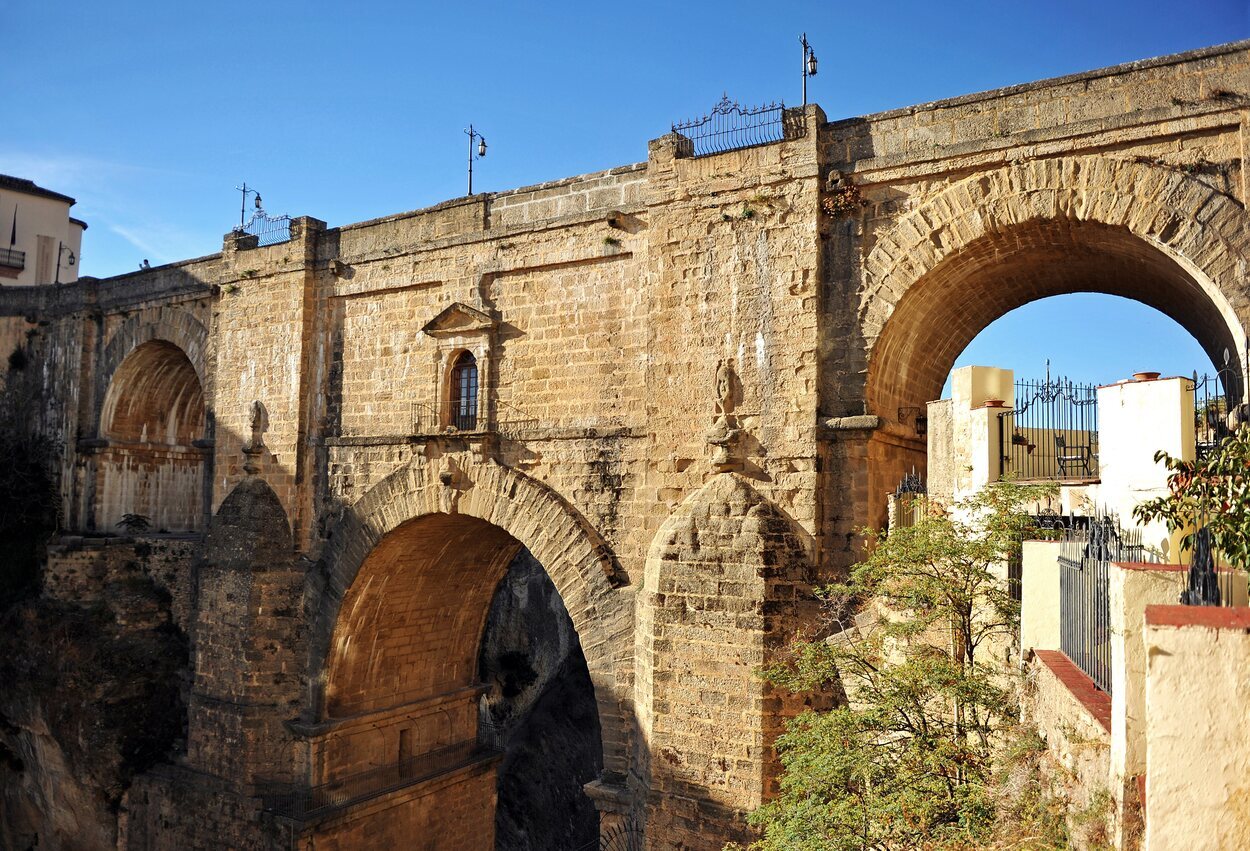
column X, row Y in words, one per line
column 462, row 393
column 452, row 649
column 940, row 313
column 152, row 418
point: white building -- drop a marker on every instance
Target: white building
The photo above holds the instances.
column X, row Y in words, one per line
column 40, row 241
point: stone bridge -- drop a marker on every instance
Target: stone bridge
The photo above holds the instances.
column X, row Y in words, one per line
column 683, row 385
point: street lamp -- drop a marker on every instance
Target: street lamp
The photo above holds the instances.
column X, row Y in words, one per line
column 61, row 250
column 809, row 64
column 481, row 151
column 246, row 190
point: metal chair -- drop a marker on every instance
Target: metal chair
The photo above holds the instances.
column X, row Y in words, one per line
column 1077, row 455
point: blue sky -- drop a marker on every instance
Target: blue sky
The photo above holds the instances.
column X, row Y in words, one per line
column 151, row 113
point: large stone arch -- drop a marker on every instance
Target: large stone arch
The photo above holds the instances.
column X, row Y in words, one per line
column 1186, row 237
column 169, row 324
column 575, row 557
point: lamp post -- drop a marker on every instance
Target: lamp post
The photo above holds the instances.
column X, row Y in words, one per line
column 481, row 151
column 809, row 64
column 60, row 253
column 246, row 190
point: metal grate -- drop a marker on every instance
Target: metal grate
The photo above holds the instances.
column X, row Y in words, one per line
column 730, row 127
column 1052, row 433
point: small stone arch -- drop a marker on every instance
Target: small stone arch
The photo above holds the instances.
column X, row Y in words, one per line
column 166, row 323
column 575, row 557
column 1151, row 209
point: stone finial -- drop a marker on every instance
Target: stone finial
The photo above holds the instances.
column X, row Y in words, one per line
column 725, row 434
column 254, row 447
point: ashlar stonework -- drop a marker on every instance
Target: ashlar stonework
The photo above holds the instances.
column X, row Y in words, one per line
column 696, row 377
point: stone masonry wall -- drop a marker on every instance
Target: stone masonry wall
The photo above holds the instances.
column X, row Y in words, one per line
column 832, row 276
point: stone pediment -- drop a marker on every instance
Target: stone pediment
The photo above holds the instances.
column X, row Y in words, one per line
column 459, row 319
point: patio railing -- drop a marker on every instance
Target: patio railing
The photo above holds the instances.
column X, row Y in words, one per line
column 1052, row 432
column 1084, row 593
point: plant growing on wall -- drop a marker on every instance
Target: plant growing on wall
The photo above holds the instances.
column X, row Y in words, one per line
column 1214, row 492
column 843, row 199
column 134, row 523
column 911, row 760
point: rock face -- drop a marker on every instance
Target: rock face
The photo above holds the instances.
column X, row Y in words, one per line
column 92, row 695
column 542, row 698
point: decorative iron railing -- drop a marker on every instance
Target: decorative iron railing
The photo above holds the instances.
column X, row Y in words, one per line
column 508, row 422
column 1084, row 593
column 1052, row 432
column 1213, row 403
column 11, row 258
column 1047, row 525
column 267, row 230
column 362, row 786
column 730, row 127
column 909, row 501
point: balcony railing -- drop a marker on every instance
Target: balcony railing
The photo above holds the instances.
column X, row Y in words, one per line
column 11, row 258
column 1084, row 593
column 508, row 421
column 1052, row 433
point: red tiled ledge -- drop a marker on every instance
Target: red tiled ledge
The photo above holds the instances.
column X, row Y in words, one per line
column 1096, row 701
column 1211, row 617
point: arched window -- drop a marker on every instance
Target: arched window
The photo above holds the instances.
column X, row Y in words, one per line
column 463, row 407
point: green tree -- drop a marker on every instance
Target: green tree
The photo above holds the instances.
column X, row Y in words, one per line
column 909, row 760
column 1213, row 492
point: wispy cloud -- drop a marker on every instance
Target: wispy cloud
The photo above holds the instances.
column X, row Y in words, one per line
column 132, row 201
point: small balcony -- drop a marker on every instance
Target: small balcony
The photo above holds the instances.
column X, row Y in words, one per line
column 12, row 260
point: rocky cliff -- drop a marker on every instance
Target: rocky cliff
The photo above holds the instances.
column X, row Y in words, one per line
column 91, row 694
column 542, row 697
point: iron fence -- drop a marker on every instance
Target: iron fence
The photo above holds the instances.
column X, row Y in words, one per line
column 1052, row 432
column 909, row 501
column 1213, row 402
column 267, row 230
column 509, row 422
column 1084, row 592
column 344, row 791
column 1047, row 524
column 730, row 127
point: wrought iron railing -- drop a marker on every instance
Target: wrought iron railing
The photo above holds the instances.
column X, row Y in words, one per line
column 509, row 422
column 11, row 258
column 910, row 502
column 1213, row 402
column 729, row 127
column 353, row 788
column 267, row 230
column 1084, row 593
column 1052, row 432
